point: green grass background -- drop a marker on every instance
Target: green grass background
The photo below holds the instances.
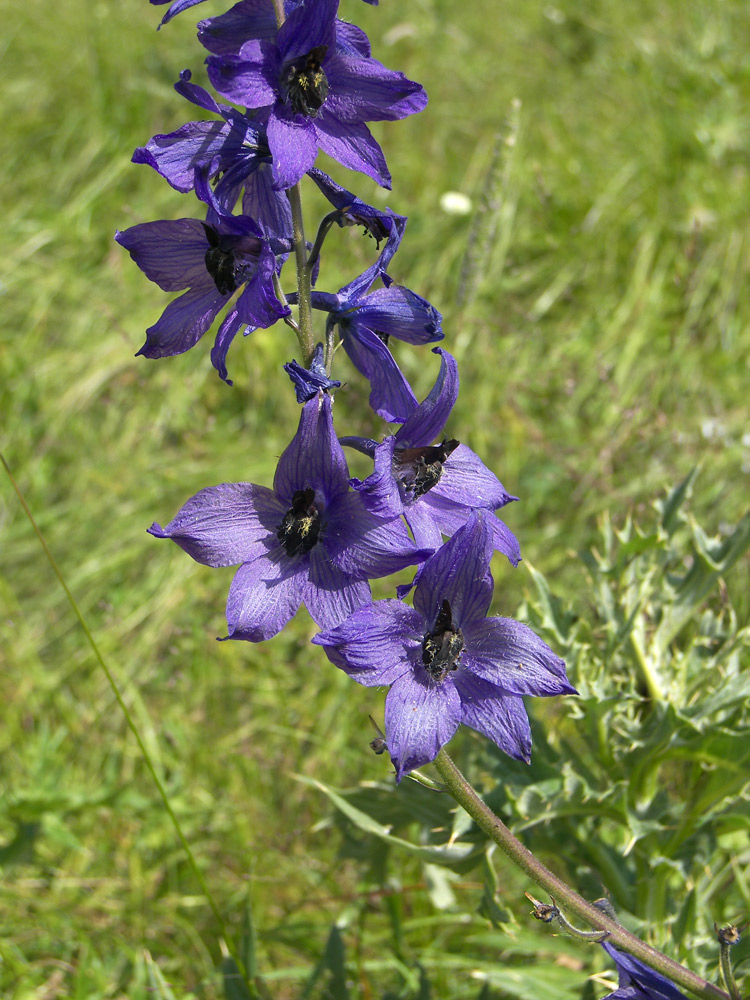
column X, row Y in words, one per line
column 603, row 354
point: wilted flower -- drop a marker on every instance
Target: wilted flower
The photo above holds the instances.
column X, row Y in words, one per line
column 446, row 663
column 308, row 381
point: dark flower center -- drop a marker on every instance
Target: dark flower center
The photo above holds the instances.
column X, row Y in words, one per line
column 419, row 469
column 306, row 83
column 300, row 529
column 442, row 647
column 220, row 263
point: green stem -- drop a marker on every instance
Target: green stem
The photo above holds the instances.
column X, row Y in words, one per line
column 498, row 832
column 304, row 329
column 304, row 282
column 150, row 767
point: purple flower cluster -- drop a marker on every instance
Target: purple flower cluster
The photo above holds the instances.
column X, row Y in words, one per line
column 286, row 91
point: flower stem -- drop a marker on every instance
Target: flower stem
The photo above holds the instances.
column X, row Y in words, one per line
column 457, row 785
column 304, row 283
column 728, row 936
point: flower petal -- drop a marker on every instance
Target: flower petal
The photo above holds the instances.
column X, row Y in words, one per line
column 176, row 155
column 638, row 981
column 425, row 424
column 170, row 252
column 227, row 32
column 331, row 595
column 351, row 40
column 500, row 716
column 230, row 327
column 449, row 517
column 257, row 305
column 364, row 546
column 247, row 79
column 314, row 458
column 426, row 533
column 183, row 323
column 398, row 312
column 261, row 201
column 353, row 146
column 459, row 573
column 420, row 718
column 225, row 525
column 391, row 396
column 177, row 7
column 265, row 594
column 466, row 476
column 293, row 143
column 377, row 644
column 380, row 492
column 309, row 26
column 507, row 653
column 363, row 90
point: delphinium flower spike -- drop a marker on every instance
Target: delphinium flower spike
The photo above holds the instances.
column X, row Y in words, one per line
column 445, row 661
column 308, row 540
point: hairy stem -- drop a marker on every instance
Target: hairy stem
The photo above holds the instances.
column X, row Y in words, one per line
column 304, row 284
column 726, row 969
column 498, row 832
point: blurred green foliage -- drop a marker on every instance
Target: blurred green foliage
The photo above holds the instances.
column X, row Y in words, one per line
column 602, row 333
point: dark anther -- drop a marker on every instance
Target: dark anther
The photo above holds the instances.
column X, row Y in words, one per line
column 427, row 464
column 306, row 82
column 300, row 528
column 220, row 263
column 442, row 648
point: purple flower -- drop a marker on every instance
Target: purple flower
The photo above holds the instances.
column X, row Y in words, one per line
column 318, row 83
column 233, row 151
column 436, row 486
column 308, row 540
column 446, row 663
column 366, row 321
column 212, row 259
column 307, row 381
column 637, row 982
